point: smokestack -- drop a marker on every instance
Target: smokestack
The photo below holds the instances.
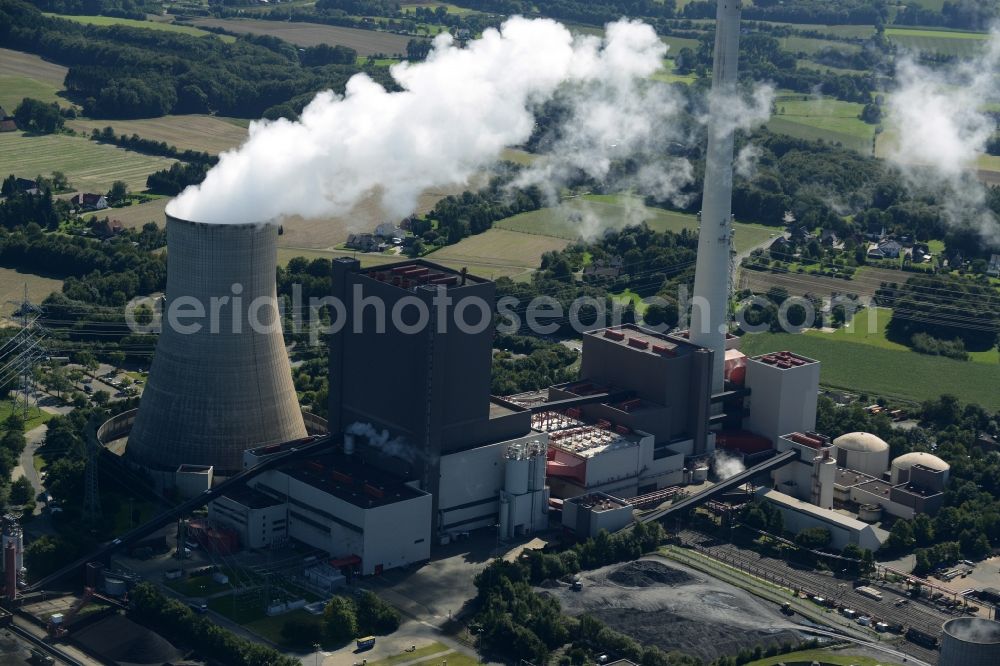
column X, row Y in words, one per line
column 225, row 386
column 710, row 307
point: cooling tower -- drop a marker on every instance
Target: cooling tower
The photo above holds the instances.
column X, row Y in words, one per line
column 221, row 383
column 970, row 641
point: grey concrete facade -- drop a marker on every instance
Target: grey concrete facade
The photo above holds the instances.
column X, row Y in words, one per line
column 221, row 389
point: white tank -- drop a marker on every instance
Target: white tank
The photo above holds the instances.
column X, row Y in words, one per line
column 540, row 462
column 862, row 452
column 516, row 475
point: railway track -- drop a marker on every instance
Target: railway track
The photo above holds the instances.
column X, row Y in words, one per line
column 841, row 592
column 51, row 650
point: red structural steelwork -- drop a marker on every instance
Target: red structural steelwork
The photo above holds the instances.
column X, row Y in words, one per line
column 638, row 344
column 806, row 440
column 340, row 476
column 654, row 498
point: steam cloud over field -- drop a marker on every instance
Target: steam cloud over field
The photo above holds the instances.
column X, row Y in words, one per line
column 453, row 116
column 941, row 128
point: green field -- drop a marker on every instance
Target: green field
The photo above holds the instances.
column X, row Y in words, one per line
column 832, row 120
column 451, row 9
column 878, row 371
column 15, row 88
column 669, row 75
column 869, row 328
column 811, row 45
column 149, row 25
column 591, row 214
column 821, row 656
column 678, row 43
column 90, row 166
column 497, row 252
column 944, row 42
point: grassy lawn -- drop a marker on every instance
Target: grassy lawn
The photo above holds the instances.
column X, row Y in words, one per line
column 821, row 656
column 669, row 75
column 90, row 167
column 270, row 627
column 452, row 659
column 433, row 648
column 36, row 417
column 864, row 367
column 199, row 586
column 149, row 25
column 39, row 463
column 805, row 117
column 193, row 132
column 678, row 43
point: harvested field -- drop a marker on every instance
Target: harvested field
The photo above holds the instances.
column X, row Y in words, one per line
column 694, row 614
column 12, row 288
column 365, row 42
column 144, row 25
column 133, row 217
column 498, row 252
column 646, row 573
column 18, row 63
column 25, row 75
column 195, row 132
column 90, row 167
column 120, row 640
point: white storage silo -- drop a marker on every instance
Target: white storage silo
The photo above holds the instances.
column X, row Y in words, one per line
column 862, row 452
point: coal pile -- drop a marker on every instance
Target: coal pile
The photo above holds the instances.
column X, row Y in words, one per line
column 646, row 573
column 120, row 640
column 672, row 632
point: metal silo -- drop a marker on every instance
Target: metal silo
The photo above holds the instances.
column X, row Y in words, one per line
column 221, row 383
column 970, row 641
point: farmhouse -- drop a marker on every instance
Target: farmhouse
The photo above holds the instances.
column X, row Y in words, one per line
column 88, row 201
column 364, row 242
column 611, row 267
column 389, row 230
column 994, row 266
column 7, row 123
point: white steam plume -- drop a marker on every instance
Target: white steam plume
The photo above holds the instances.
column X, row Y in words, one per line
column 726, row 465
column 453, row 117
column 746, row 161
column 381, row 440
column 940, row 128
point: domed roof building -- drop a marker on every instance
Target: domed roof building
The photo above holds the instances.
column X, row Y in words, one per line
column 862, row 452
column 902, row 467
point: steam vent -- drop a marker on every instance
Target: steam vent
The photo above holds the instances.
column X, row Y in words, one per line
column 211, row 394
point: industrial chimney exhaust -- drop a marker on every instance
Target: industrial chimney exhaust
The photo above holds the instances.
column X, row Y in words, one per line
column 220, row 383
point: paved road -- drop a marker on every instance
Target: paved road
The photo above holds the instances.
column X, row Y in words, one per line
column 26, row 464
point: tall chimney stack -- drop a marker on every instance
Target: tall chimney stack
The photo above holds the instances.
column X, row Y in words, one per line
column 710, row 306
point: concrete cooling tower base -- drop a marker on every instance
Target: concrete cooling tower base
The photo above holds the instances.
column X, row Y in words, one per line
column 220, row 383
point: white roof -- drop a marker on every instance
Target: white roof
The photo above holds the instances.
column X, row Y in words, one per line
column 929, row 460
column 826, row 515
column 861, row 441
